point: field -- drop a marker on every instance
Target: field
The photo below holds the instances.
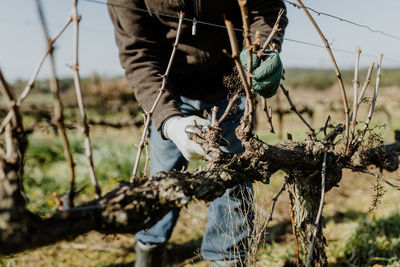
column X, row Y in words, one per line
column 361, row 226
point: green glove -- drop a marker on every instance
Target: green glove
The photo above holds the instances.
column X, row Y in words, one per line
column 267, row 71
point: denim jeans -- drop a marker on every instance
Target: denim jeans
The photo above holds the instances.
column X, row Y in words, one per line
column 230, row 217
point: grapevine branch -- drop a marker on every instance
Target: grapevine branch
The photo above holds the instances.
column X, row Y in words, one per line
column 231, row 102
column 269, row 219
column 338, row 74
column 296, row 241
column 275, row 30
column 160, row 92
column 280, row 113
column 249, row 110
column 356, row 85
column 235, row 54
column 375, row 96
column 235, row 57
column 58, row 108
column 321, row 205
column 377, row 175
column 294, row 109
column 364, row 88
column 12, row 106
column 260, row 53
column 366, row 82
column 247, row 82
column 268, row 113
column 77, row 81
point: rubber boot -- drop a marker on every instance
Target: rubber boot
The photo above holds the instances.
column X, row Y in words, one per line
column 150, row 255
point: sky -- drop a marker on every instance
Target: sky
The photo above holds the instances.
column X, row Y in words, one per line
column 22, row 43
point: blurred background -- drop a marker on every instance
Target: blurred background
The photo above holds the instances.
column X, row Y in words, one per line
column 362, row 214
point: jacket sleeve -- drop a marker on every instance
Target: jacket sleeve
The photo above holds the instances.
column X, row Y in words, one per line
column 142, row 56
column 262, row 17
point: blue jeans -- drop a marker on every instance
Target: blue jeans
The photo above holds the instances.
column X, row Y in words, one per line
column 230, row 217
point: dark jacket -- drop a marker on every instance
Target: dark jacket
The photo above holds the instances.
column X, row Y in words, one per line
column 145, row 38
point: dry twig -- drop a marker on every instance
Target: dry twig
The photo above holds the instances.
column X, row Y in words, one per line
column 356, row 85
column 296, row 240
column 275, row 199
column 93, row 247
column 280, row 114
column 338, row 74
column 147, row 160
column 375, row 96
column 268, row 114
column 77, row 81
column 235, row 57
column 190, row 261
column 231, row 102
column 214, row 112
column 149, row 113
column 377, row 175
column 274, row 31
column 294, row 109
column 364, row 88
column 366, row 83
column 321, row 205
column 7, row 93
column 58, row 107
column 15, row 145
column 246, row 80
column 249, row 111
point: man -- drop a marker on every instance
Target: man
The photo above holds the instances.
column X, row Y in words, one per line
column 145, row 31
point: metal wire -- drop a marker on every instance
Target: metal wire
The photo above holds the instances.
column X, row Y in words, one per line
column 339, row 50
column 284, row 38
column 344, row 20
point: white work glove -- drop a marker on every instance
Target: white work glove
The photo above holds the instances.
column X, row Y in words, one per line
column 174, row 129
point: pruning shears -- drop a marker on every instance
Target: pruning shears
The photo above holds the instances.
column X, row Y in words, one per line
column 196, row 134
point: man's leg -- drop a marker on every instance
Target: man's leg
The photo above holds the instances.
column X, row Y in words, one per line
column 165, row 156
column 230, row 217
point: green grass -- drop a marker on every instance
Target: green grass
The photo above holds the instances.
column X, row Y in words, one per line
column 374, row 241
column 46, row 170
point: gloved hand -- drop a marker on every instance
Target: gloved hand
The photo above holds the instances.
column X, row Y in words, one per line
column 174, row 129
column 267, row 71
